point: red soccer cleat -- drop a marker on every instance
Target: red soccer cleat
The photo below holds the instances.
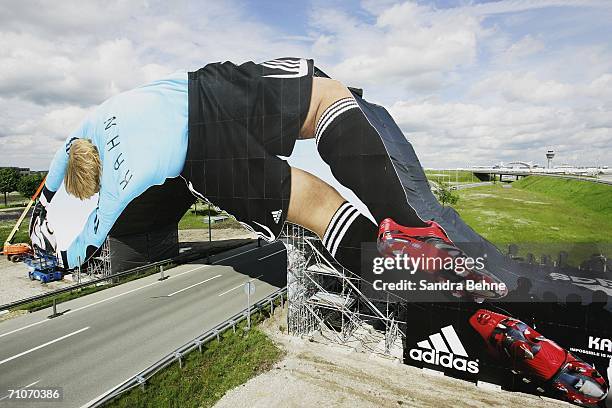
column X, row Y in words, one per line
column 433, row 244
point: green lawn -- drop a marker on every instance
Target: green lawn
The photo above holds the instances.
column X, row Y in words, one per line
column 197, row 219
column 206, row 377
column 542, row 214
column 20, row 236
column 580, row 194
column 13, row 199
column 451, row 176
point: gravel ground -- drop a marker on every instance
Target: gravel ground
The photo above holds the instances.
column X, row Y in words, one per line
column 319, row 375
column 15, row 284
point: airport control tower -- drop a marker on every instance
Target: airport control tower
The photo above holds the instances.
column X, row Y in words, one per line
column 550, row 154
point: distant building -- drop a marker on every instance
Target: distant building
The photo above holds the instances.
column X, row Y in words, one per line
column 23, row 171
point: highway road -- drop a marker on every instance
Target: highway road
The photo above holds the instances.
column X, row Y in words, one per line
column 104, row 338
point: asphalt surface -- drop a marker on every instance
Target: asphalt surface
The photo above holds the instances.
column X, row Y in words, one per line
column 109, row 336
column 13, row 214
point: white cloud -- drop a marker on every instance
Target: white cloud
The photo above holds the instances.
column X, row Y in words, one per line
column 476, row 134
column 525, row 47
column 406, row 47
column 57, row 62
column 475, row 83
column 490, row 89
column 30, row 135
column 518, row 6
column 601, row 87
column 524, row 87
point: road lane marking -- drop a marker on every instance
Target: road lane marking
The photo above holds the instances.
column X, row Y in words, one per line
column 133, row 290
column 24, row 327
column 267, row 256
column 194, row 285
column 22, row 388
column 100, row 301
column 233, row 256
column 6, row 360
column 190, row 270
column 239, row 286
column 124, row 293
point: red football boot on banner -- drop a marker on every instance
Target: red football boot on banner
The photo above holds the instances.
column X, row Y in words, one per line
column 432, row 244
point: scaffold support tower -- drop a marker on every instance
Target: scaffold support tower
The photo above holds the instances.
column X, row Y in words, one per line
column 325, row 299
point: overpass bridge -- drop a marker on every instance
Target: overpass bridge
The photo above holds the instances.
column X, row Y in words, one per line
column 488, row 173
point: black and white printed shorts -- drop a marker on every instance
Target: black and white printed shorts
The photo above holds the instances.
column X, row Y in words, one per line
column 241, row 118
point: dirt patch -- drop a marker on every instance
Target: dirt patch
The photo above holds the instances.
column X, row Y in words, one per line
column 12, row 315
column 314, row 374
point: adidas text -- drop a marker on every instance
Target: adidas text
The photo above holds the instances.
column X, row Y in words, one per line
column 444, row 360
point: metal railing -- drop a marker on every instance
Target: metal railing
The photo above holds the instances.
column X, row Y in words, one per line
column 179, row 260
column 177, row 355
column 92, row 282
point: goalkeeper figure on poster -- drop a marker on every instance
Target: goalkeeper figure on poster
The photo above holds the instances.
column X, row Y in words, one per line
column 222, row 129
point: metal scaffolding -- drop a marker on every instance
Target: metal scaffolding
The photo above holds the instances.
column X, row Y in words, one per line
column 325, row 299
column 99, row 266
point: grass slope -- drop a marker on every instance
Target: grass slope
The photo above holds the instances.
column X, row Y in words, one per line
column 451, row 176
column 542, row 216
column 20, row 236
column 198, row 219
column 206, row 377
column 580, row 194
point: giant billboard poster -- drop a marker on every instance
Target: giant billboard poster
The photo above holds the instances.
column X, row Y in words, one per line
column 230, row 129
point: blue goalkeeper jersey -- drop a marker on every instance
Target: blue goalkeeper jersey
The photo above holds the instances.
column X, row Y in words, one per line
column 141, row 136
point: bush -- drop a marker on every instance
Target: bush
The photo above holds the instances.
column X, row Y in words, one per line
column 9, row 178
column 446, row 194
column 28, row 185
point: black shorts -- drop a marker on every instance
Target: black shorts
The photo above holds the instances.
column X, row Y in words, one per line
column 241, row 118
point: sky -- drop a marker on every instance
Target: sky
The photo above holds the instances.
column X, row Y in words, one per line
column 468, row 82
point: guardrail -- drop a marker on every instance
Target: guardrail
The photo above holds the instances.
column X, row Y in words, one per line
column 179, row 260
column 177, row 355
column 520, row 172
column 92, row 282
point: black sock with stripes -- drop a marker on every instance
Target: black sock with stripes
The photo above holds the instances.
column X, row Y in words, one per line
column 358, row 159
column 346, row 231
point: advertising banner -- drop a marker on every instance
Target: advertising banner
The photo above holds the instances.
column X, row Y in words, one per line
column 473, row 312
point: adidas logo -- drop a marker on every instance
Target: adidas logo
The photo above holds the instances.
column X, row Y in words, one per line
column 277, row 215
column 446, row 350
column 286, row 68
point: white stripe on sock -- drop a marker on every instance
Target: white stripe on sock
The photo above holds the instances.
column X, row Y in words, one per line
column 340, row 237
column 332, row 222
column 331, row 119
column 339, row 226
column 330, row 115
column 330, row 110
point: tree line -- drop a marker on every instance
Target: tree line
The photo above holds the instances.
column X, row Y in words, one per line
column 11, row 180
